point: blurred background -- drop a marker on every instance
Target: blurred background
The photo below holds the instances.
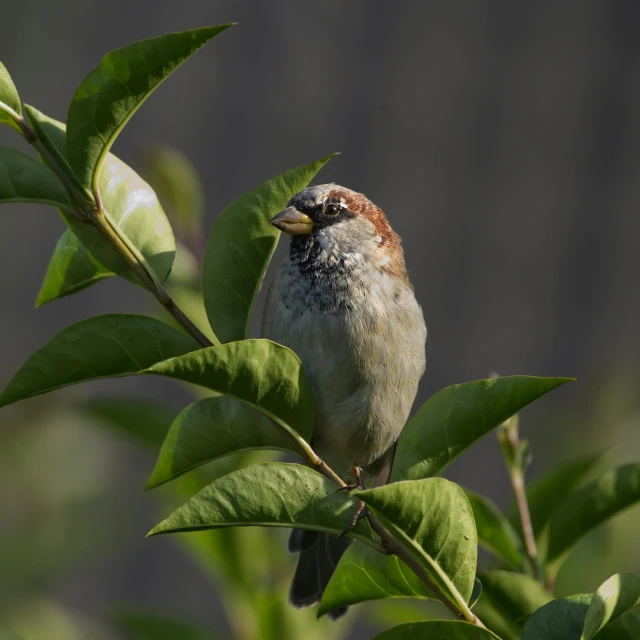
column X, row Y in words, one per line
column 502, row 140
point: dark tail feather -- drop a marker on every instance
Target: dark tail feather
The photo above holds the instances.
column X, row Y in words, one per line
column 319, row 556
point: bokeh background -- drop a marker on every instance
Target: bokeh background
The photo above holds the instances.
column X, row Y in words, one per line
column 501, row 138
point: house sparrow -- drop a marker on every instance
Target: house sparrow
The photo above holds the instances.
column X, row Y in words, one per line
column 342, row 301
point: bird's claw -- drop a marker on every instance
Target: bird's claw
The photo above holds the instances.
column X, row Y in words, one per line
column 360, row 512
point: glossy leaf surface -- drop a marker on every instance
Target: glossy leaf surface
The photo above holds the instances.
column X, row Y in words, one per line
column 108, row 97
column 269, row 495
column 433, row 519
column 435, row 630
column 9, row 98
column 71, row 269
column 456, row 417
column 626, row 627
column 240, row 247
column 101, row 347
column 261, row 373
column 560, row 619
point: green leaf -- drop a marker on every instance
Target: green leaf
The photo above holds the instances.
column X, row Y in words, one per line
column 561, row 619
column 506, row 599
column 130, row 202
column 240, row 247
column 261, row 373
column 495, row 533
column 23, row 179
column 476, row 593
column 433, row 519
column 456, row 417
column 9, row 99
column 365, row 574
column 546, row 493
column 626, row 627
column 274, row 494
column 437, row 629
column 71, row 269
column 144, row 421
column 614, row 597
column 103, row 347
column 210, row 429
column 590, row 506
column 108, row 97
column 147, row 626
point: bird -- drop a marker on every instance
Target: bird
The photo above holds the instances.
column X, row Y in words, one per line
column 342, row 301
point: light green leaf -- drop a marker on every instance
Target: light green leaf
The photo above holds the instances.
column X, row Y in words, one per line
column 365, row 574
column 495, row 533
column 507, row 598
column 23, row 179
column 130, row 202
column 210, row 429
column 274, row 494
column 149, row 626
column 437, row 629
column 108, row 97
column 626, row 627
column 433, row 519
column 103, row 347
column 614, row 597
column 547, row 492
column 9, row 99
column 261, row 373
column 561, row 619
column 144, row 421
column 240, row 247
column 590, row 506
column 71, row 269
column 456, row 417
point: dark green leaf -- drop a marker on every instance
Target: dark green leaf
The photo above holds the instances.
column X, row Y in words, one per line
column 545, row 493
column 102, row 347
column 365, row 574
column 210, row 429
column 9, row 99
column 626, row 627
column 240, row 247
column 614, row 597
column 147, row 626
column 476, row 593
column 456, row 417
column 108, row 97
column 144, row 421
column 274, row 494
column 130, row 203
column 433, row 519
column 507, row 598
column 590, row 506
column 23, row 179
column 71, row 269
column 561, row 619
column 265, row 375
column 494, row 531
column 436, row 630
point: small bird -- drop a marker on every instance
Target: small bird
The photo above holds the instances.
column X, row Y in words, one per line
column 342, row 301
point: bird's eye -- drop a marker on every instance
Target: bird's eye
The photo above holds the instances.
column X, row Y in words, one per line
column 332, row 209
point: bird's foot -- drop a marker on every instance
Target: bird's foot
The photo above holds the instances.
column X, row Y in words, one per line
column 360, row 512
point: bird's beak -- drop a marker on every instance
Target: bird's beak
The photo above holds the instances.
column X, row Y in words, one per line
column 293, row 222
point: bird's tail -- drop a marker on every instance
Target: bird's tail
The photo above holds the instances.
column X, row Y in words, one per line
column 319, row 555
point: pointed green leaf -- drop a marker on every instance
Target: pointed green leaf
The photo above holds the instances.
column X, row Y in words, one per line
column 433, row 519
column 614, row 597
column 437, row 629
column 476, row 593
column 210, row 429
column 626, row 627
column 561, row 619
column 507, row 598
column 274, row 494
column 240, row 247
column 147, row 626
column 364, row 574
column 456, row 417
column 129, row 201
column 103, row 347
column 108, row 97
column 547, row 492
column 590, row 506
column 23, row 179
column 261, row 373
column 9, row 99
column 495, row 533
column 71, row 269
